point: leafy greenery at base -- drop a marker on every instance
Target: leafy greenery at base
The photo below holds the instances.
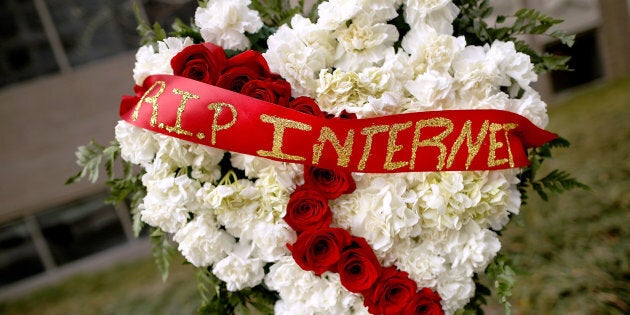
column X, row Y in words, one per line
column 575, row 247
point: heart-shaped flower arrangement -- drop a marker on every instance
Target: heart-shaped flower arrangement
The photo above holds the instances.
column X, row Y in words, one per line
column 329, row 241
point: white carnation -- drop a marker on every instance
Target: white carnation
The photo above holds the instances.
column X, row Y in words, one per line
column 531, row 107
column 477, row 76
column 275, row 186
column 438, row 14
column 234, row 205
column 455, row 289
column 512, row 64
column 422, row 260
column 366, row 93
column 224, row 22
column 169, row 198
column 150, row 61
column 202, row 242
column 471, row 248
column 431, row 91
column 204, row 161
column 270, row 240
column 334, row 13
column 363, row 42
column 239, row 270
column 299, row 53
column 495, row 196
column 381, row 213
column 430, row 50
column 302, row 292
column 137, row 145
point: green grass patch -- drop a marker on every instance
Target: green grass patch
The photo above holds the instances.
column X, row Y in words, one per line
column 574, row 250
column 131, row 288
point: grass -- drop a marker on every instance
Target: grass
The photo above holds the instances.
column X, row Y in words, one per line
column 575, row 248
column 131, row 288
column 573, row 251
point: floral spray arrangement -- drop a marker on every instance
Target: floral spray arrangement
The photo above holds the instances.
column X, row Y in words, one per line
column 359, row 159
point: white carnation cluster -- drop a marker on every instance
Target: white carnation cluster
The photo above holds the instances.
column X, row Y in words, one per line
column 224, row 23
column 438, row 227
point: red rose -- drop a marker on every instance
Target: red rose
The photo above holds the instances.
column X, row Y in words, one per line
column 392, row 292
column 242, row 68
column 319, row 250
column 358, row 266
column 307, row 210
column 201, row 62
column 306, row 105
column 269, row 90
column 426, row 302
column 331, row 183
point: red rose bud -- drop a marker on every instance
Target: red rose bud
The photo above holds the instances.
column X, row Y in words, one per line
column 358, row 266
column 306, row 105
column 200, row 62
column 269, row 90
column 319, row 250
column 391, row 293
column 307, row 210
column 330, row 183
column 426, row 302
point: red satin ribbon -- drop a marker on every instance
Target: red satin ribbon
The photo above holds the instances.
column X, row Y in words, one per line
column 450, row 140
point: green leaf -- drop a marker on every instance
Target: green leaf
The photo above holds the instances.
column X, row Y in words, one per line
column 163, row 251
column 504, row 278
column 89, row 157
column 148, row 34
column 181, row 29
column 276, row 12
column 207, row 285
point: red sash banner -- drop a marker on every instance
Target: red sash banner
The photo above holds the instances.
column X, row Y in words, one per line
column 450, row 140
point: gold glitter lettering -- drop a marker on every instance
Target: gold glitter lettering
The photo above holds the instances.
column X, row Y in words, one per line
column 218, row 107
column 369, row 132
column 436, row 141
column 392, row 147
column 151, row 100
column 473, row 147
column 494, row 144
column 280, row 124
column 180, row 110
column 507, row 127
column 343, row 152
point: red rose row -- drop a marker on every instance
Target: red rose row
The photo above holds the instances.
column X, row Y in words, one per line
column 319, row 247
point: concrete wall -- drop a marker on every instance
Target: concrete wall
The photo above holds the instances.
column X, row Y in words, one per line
column 42, row 123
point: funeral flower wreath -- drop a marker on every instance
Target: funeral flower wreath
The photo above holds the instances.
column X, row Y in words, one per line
column 295, row 237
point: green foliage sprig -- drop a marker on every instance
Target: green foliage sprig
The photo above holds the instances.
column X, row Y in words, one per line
column 502, row 274
column 125, row 185
column 471, row 23
column 556, row 181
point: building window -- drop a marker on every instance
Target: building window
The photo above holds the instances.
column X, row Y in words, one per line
column 41, row 37
column 25, row 51
column 18, row 255
column 60, row 235
column 585, row 63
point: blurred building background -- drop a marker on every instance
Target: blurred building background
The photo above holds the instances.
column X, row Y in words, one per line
column 64, row 65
